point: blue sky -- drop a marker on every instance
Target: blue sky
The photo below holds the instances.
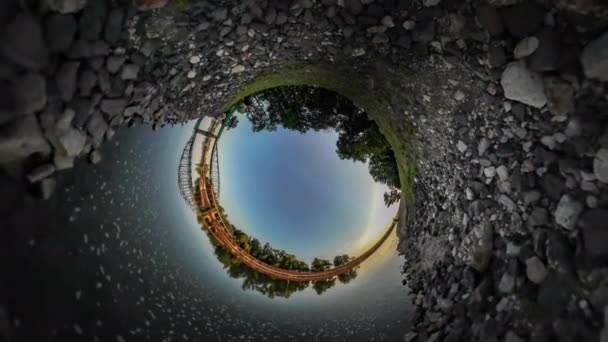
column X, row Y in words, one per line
column 293, row 191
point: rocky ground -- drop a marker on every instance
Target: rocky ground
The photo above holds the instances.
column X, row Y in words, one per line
column 507, row 105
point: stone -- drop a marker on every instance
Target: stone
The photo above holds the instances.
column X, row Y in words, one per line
column 430, row 3
column 595, row 233
column 424, row 33
column 113, row 106
column 388, row 21
column 536, row 271
column 95, row 157
column 88, row 49
column 507, row 283
column 113, row 27
column 220, row 14
column 195, row 59
column 66, row 6
column 489, row 171
column 595, row 58
column 47, row 188
column 483, row 146
column 525, row 47
column 496, row 56
column 22, row 42
column 476, row 247
column 523, row 19
column 522, row 85
column 146, row 5
column 600, row 165
column 92, row 20
column 567, row 212
column 72, row 142
column 490, row 19
column 65, row 79
column 97, row 126
column 538, row 217
column 40, row 172
column 191, row 74
column 59, row 31
column 547, row 55
column 22, row 138
column 30, row 92
column 114, row 63
column 237, row 69
column 560, row 96
column 409, row 25
column 62, row 161
column 503, row 173
column 459, row 95
column 129, row 72
column 461, row 146
column 64, row 121
column 512, row 337
column 507, row 202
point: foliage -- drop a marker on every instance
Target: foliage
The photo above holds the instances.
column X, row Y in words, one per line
column 341, row 259
column 321, row 286
column 318, row 265
column 392, row 196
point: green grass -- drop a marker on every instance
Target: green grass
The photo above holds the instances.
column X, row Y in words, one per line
column 355, row 86
column 182, row 5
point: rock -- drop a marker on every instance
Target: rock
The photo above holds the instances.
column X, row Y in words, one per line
column 22, row 42
column 476, row 247
column 483, row 146
column 430, row 3
column 595, row 234
column 30, row 91
column 95, row 157
column 59, row 31
column 64, row 121
column 461, row 146
column 40, row 172
column 524, row 19
column 92, row 20
column 237, row 69
column 490, row 19
column 409, row 25
column 600, row 165
column 512, row 337
column 496, row 56
column 458, row 95
column 507, row 283
column 547, row 55
column 560, row 96
column 503, row 173
column 146, row 5
column 424, row 33
column 536, row 270
column 129, row 72
column 88, row 49
column 97, row 126
column 411, row 336
column 595, row 58
column 66, row 80
column 567, row 212
column 525, row 47
column 72, row 142
column 113, row 106
column 388, row 21
column 489, row 171
column 538, row 217
column 66, row 6
column 191, row 74
column 47, row 188
column 62, row 161
column 195, row 60
column 523, row 85
column 220, row 14
column 21, row 138
column 507, row 202
column 531, row 197
column 113, row 63
column 113, row 27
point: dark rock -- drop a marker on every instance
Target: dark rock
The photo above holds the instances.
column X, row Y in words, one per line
column 538, row 217
column 8, row 103
column 30, row 90
column 86, row 49
column 523, row 19
column 424, row 32
column 113, row 106
column 536, row 270
column 66, row 80
column 490, row 19
column 40, row 172
column 86, row 82
column 59, row 32
column 113, row 25
column 553, row 296
column 97, row 127
column 595, row 58
column 595, row 233
column 220, row 14
column 92, row 20
column 546, row 57
column 21, row 138
column 22, row 42
column 83, row 108
column 66, row 6
column 559, row 253
column 114, row 63
column 560, row 96
column 496, row 56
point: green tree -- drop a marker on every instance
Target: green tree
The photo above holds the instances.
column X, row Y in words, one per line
column 320, row 286
column 341, row 259
column 320, row 265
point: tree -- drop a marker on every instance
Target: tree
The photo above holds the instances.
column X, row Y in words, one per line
column 347, row 276
column 320, row 265
column 321, row 286
column 341, row 259
column 392, row 196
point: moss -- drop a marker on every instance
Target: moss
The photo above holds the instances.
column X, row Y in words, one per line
column 358, row 90
column 182, row 5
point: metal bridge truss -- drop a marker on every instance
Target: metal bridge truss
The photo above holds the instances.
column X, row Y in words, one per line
column 215, row 171
column 184, row 179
